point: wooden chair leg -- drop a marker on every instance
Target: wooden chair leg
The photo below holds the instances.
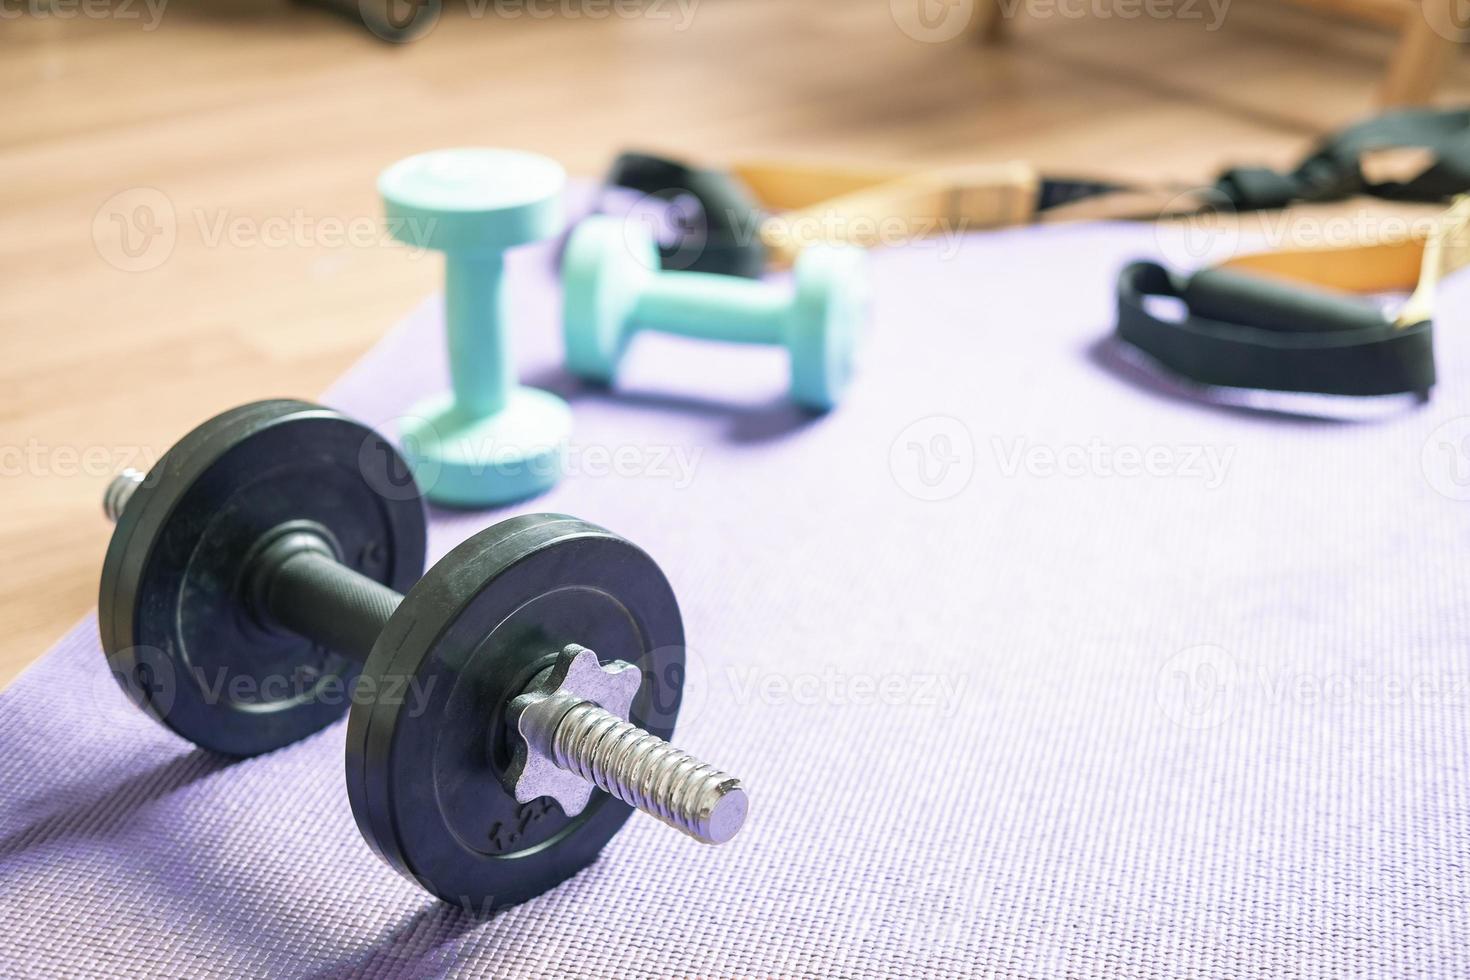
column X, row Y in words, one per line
column 1422, row 56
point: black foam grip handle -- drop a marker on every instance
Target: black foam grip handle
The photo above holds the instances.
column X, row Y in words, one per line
column 1271, row 304
column 315, row 595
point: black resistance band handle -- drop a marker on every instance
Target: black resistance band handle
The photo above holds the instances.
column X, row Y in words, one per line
column 1247, row 331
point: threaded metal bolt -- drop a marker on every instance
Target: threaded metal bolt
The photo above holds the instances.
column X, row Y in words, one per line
column 573, row 719
column 646, row 772
column 115, row 498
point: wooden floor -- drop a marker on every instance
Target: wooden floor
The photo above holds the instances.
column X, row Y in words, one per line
column 253, row 121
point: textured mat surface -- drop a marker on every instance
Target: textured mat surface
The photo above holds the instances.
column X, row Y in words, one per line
column 1033, row 670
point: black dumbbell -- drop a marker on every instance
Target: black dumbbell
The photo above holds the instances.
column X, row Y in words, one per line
column 252, row 593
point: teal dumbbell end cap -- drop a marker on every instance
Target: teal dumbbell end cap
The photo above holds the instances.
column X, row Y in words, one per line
column 828, row 320
column 605, row 269
column 513, row 454
column 473, row 200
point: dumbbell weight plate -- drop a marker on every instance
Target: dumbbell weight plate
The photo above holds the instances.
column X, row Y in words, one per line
column 427, row 758
column 172, row 609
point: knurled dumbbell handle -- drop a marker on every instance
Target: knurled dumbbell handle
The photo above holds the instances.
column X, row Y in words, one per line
column 300, row 585
column 314, row 595
column 711, row 307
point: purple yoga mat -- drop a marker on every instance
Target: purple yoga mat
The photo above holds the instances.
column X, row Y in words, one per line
column 1033, row 668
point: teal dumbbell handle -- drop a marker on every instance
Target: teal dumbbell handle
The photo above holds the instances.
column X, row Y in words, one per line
column 712, row 307
column 475, row 319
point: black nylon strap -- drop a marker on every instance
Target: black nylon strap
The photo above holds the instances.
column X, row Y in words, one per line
column 1334, row 170
column 731, row 217
column 1277, row 337
column 1056, row 192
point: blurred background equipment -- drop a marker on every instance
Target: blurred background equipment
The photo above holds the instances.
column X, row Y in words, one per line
column 193, row 176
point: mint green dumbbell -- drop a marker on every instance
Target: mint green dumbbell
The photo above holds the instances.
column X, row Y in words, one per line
column 489, row 440
column 614, row 288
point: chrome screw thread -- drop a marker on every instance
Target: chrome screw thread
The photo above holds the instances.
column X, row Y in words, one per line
column 646, row 772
